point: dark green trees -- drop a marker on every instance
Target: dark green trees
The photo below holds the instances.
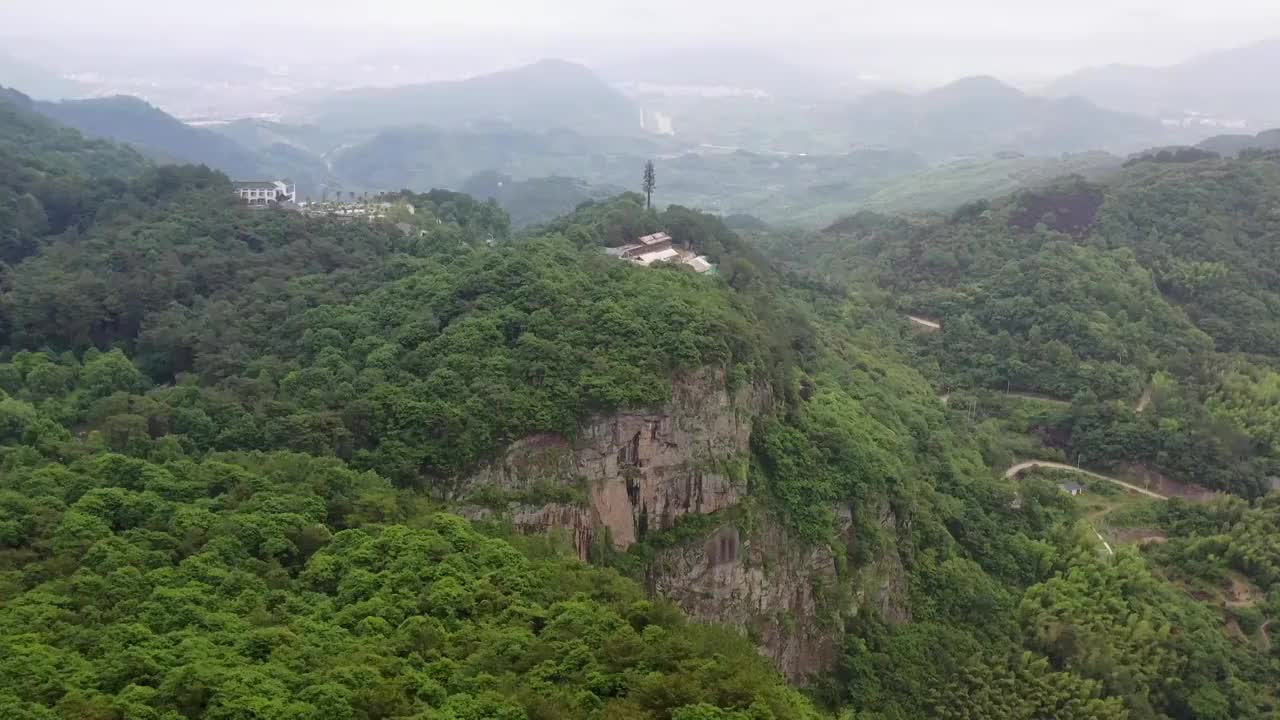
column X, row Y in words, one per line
column 649, row 184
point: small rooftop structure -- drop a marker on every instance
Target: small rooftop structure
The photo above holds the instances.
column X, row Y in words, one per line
column 699, row 264
column 659, row 247
column 1071, row 488
column 655, row 239
column 650, row 258
column 645, row 245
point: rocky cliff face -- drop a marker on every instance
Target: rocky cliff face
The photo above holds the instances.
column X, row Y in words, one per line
column 791, row 598
column 788, row 600
column 633, row 472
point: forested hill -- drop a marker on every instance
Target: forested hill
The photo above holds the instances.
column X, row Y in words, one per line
column 133, row 121
column 1163, row 279
column 228, row 437
column 277, row 585
column 40, row 146
column 163, row 138
column 52, row 179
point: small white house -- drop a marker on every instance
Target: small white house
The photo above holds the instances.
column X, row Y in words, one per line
column 266, row 192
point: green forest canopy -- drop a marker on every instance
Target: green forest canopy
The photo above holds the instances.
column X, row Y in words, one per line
column 1159, row 282
column 217, row 425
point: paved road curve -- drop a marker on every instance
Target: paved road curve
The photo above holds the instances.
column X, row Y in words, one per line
column 1062, row 466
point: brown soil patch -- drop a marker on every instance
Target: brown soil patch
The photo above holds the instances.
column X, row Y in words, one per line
column 1156, row 481
column 1071, row 210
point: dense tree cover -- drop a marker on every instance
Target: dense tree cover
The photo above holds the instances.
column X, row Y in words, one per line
column 1016, row 611
column 1089, row 292
column 288, row 586
column 1161, row 651
column 1208, row 541
column 216, row 423
column 535, row 201
column 172, row 239
column 51, row 179
column 479, row 221
column 34, row 142
column 870, row 440
column 1207, row 231
column 415, row 353
column 172, row 581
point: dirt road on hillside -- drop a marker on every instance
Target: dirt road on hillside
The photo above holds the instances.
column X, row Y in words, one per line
column 1062, row 466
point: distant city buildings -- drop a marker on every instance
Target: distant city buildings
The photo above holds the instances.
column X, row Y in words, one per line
column 660, row 247
column 266, row 192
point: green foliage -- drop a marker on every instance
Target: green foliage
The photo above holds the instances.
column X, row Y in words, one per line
column 535, row 200
column 416, row 356
column 1101, row 294
column 1207, row 540
column 1023, row 688
column 1160, row 650
column 833, row 451
column 232, row 523
column 288, row 586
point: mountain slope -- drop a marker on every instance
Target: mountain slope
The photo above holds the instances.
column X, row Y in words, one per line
column 1089, row 291
column 167, row 139
column 52, row 178
column 1225, row 85
column 547, row 95
column 227, row 434
column 982, row 115
column 36, row 141
column 133, row 121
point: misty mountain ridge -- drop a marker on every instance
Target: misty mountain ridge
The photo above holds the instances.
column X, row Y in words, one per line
column 1222, row 87
column 547, row 95
column 982, row 115
column 740, row 69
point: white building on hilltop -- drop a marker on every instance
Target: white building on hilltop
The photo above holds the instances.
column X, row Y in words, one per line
column 266, row 192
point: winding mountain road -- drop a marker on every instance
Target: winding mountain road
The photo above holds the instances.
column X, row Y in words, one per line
column 1063, row 466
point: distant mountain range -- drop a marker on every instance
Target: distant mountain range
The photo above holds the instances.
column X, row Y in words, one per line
column 548, row 95
column 1235, row 84
column 544, row 137
column 982, row 115
column 730, row 69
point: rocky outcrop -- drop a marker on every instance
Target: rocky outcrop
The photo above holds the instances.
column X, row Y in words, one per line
column 634, row 471
column 787, row 600
column 790, row 597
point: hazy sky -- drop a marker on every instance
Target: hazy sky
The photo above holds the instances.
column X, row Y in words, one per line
column 921, row 40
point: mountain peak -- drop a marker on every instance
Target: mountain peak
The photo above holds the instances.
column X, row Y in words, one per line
column 977, row 86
